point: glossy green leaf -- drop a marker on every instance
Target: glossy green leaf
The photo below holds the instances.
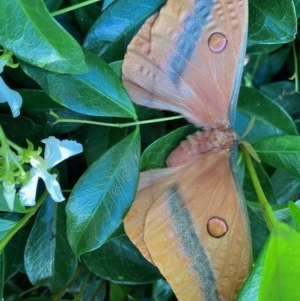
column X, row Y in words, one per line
column 295, row 213
column 297, row 7
column 271, row 26
column 251, row 287
column 284, row 94
column 280, row 152
column 2, row 271
column 28, row 30
column 281, row 270
column 286, row 186
column 14, row 252
column 270, row 118
column 48, row 257
column 97, row 92
column 117, row 25
column 103, row 195
column 118, row 260
column 5, row 226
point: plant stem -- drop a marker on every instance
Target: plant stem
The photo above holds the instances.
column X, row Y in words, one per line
column 264, row 204
column 73, row 7
column 116, row 125
column 295, row 75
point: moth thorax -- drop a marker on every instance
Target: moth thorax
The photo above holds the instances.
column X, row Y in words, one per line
column 200, row 143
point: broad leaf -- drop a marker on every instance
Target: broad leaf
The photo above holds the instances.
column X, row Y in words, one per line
column 97, row 92
column 117, row 25
column 28, row 30
column 281, row 270
column 120, row 261
column 48, row 257
column 271, row 26
column 103, row 195
column 280, row 152
column 270, row 118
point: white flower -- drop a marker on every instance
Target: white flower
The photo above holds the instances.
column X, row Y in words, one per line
column 10, row 96
column 9, row 192
column 55, row 152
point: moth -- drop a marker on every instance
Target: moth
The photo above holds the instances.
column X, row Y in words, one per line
column 189, row 219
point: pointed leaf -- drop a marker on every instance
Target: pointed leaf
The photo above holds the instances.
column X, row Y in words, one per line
column 120, row 261
column 103, row 195
column 280, row 152
column 2, row 271
column 48, row 257
column 37, row 38
column 98, row 92
column 295, row 213
column 270, row 118
column 5, row 226
column 281, row 271
column 271, row 26
column 117, row 25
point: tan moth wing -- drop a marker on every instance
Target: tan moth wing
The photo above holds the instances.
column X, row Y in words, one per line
column 175, row 206
column 189, row 58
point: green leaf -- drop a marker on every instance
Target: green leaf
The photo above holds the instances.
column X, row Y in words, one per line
column 98, row 92
column 48, row 257
column 297, row 7
column 280, row 152
column 250, row 289
column 5, row 226
column 2, row 271
column 284, row 94
column 271, row 26
column 14, row 252
column 295, row 213
column 286, row 186
column 270, row 118
column 117, row 25
column 103, row 195
column 281, row 270
column 118, row 260
column 155, row 155
column 37, row 38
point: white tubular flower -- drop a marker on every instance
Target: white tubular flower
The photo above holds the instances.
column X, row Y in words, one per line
column 55, row 152
column 13, row 98
column 9, row 192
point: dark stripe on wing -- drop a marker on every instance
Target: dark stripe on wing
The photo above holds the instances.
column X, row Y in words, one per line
column 191, row 246
column 189, row 37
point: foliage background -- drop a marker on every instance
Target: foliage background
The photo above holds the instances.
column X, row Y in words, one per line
column 70, row 68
